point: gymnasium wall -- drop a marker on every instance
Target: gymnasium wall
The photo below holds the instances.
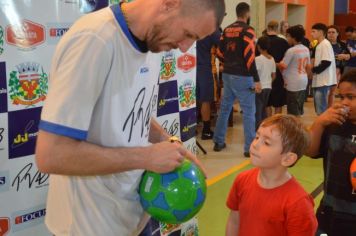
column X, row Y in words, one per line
column 341, row 6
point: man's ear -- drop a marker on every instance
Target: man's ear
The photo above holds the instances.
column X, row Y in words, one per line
column 289, row 159
column 169, row 5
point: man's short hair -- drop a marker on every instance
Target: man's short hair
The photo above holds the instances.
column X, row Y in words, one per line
column 294, row 135
column 296, row 32
column 349, row 29
column 349, row 76
column 320, row 26
column 263, row 42
column 242, row 9
column 218, row 6
column 273, row 25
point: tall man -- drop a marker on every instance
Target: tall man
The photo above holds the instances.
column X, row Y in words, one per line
column 278, row 47
column 96, row 126
column 241, row 81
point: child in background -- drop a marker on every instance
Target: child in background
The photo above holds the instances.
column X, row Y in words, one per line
column 266, row 68
column 295, row 67
column 267, row 200
column 333, row 136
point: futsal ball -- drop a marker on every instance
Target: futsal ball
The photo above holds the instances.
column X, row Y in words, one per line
column 174, row 197
column 353, row 174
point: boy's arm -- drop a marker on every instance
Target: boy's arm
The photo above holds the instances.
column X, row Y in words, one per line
column 232, row 226
column 273, row 75
column 301, row 219
column 283, row 64
column 333, row 115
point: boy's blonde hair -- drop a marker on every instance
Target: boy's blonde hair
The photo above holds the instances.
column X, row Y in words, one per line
column 294, row 135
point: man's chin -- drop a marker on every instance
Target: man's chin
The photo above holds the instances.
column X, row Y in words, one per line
column 161, row 48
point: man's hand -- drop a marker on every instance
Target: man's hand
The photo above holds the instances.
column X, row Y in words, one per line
column 258, row 88
column 166, row 156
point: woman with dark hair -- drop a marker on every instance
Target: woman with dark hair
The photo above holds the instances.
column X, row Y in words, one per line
column 342, row 54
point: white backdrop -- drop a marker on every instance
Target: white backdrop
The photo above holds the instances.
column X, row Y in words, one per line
column 29, row 32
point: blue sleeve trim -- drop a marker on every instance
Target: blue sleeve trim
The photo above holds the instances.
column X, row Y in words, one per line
column 63, row 130
column 116, row 9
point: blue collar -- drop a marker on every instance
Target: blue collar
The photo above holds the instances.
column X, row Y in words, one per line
column 116, row 9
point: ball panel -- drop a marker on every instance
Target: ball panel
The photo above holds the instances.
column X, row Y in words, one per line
column 150, row 186
column 168, row 178
column 181, row 215
column 200, row 198
column 160, row 202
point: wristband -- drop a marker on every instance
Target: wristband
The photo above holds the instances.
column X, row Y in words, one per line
column 175, row 139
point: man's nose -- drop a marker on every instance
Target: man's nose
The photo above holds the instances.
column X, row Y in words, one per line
column 185, row 44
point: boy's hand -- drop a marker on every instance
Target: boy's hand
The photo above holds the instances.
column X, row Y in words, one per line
column 337, row 114
column 258, row 87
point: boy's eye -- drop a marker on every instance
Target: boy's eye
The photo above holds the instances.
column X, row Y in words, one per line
column 267, row 143
column 347, row 96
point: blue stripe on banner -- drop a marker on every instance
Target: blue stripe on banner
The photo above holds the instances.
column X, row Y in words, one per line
column 121, row 20
column 63, row 130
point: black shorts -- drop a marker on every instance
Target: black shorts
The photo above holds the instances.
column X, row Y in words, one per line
column 335, row 223
column 205, row 85
column 295, row 102
column 277, row 97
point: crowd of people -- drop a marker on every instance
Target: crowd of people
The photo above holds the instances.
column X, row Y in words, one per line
column 283, row 68
column 95, row 150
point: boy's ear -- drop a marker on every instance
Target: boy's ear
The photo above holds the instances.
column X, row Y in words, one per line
column 289, row 159
column 169, row 5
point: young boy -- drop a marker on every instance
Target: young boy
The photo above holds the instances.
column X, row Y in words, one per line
column 267, row 200
column 333, row 136
column 266, row 68
column 294, row 66
column 324, row 68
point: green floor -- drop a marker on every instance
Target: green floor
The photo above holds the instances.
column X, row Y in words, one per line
column 212, row 218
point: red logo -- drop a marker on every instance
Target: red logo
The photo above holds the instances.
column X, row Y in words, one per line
column 186, row 62
column 26, row 34
column 4, row 226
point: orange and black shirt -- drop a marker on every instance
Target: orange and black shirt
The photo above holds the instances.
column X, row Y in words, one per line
column 237, row 50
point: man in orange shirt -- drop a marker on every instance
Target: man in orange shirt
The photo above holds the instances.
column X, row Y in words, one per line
column 267, row 200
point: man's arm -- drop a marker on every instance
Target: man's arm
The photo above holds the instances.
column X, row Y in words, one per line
column 157, row 133
column 333, row 115
column 249, row 47
column 232, row 226
column 57, row 154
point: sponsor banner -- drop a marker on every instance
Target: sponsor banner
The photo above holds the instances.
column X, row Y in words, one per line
column 4, row 225
column 168, row 66
column 191, row 145
column 170, row 123
column 55, row 31
column 31, row 217
column 3, row 88
column 4, row 150
column 186, row 62
column 187, row 94
column 167, row 98
column 25, row 34
column 1, row 40
column 23, row 129
column 27, row 85
column 188, row 124
column 26, row 176
column 4, row 181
